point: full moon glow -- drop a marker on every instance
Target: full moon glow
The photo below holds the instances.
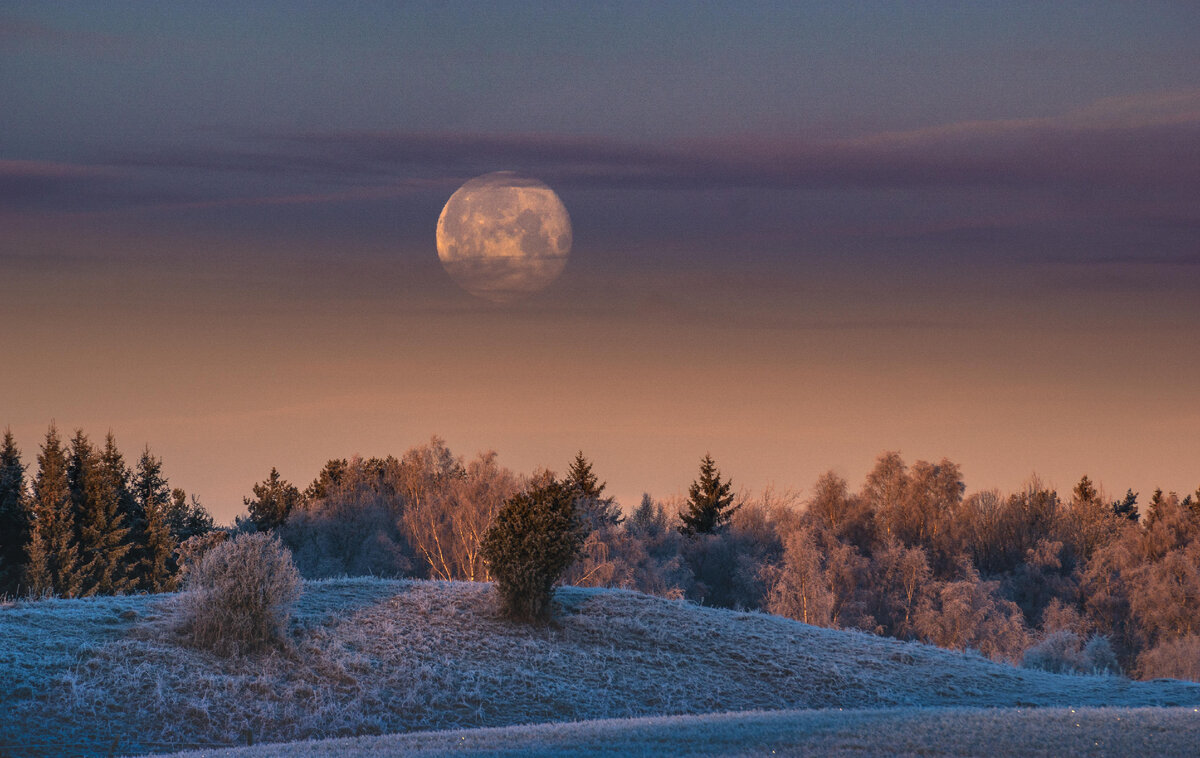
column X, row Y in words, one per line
column 502, row 236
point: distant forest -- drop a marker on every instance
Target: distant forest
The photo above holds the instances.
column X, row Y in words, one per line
column 1072, row 583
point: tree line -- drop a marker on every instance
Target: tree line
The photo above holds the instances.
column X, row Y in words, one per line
column 1076, row 580
column 87, row 523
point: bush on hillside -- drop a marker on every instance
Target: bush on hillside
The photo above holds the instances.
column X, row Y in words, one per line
column 239, row 597
column 1063, row 652
column 533, row 539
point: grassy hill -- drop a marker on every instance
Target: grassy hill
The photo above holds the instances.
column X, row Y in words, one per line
column 372, row 657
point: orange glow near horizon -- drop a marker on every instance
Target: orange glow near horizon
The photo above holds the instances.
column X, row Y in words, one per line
column 645, row 373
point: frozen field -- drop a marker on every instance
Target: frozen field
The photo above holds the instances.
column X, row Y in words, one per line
column 373, row 657
column 1038, row 733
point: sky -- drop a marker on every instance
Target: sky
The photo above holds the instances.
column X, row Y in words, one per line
column 804, row 234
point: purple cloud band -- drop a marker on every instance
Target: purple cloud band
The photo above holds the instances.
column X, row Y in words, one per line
column 1147, row 144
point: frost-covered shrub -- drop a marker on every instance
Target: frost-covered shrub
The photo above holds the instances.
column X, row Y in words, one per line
column 534, row 538
column 1099, row 655
column 1173, row 659
column 192, row 550
column 240, row 596
column 1063, row 652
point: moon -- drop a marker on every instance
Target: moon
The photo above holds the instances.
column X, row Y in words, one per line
column 503, row 236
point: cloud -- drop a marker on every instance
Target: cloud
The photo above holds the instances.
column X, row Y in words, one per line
column 1151, row 140
column 27, row 181
column 56, row 186
column 1128, row 147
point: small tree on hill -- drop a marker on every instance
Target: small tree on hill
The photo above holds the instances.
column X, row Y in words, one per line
column 710, row 501
column 534, row 538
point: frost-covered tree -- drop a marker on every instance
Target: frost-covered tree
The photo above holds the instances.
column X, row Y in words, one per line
column 885, row 491
column 969, row 613
column 14, row 515
column 53, row 567
column 647, row 517
column 797, row 588
column 709, row 505
column 447, row 507
column 1092, row 522
column 427, row 469
column 901, row 580
column 353, row 527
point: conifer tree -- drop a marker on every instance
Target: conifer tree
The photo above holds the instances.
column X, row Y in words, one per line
column 1126, row 507
column 14, row 515
column 152, row 496
column 595, row 510
column 53, row 566
column 186, row 517
column 81, row 459
column 104, row 544
column 1085, row 492
column 710, row 501
column 330, row 478
column 274, row 500
column 532, row 540
column 1155, row 510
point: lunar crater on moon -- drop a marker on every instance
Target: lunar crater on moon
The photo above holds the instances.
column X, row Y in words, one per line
column 503, row 236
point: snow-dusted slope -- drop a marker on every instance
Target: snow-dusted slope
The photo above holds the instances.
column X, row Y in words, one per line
column 373, row 657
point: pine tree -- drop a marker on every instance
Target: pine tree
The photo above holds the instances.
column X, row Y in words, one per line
column 710, row 501
column 1155, row 510
column 1085, row 492
column 152, row 496
column 53, row 552
column 274, row 500
column 14, row 515
column 81, row 459
column 1126, row 507
column 186, row 517
column 104, row 544
column 595, row 510
column 330, row 478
